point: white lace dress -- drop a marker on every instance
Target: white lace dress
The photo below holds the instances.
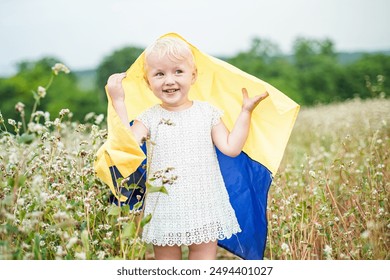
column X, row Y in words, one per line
column 197, row 207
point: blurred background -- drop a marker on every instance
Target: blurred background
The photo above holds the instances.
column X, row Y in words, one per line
column 315, row 51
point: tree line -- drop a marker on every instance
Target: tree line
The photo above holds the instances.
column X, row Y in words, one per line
column 312, row 74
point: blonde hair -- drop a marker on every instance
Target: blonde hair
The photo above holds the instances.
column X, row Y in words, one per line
column 174, row 48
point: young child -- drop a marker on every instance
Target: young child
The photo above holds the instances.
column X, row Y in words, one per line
column 196, row 212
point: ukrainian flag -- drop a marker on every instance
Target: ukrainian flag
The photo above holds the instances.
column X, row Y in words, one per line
column 247, row 176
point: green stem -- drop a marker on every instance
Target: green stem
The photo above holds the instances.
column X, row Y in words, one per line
column 33, row 111
column 37, row 101
column 24, row 123
column 50, row 81
column 5, row 127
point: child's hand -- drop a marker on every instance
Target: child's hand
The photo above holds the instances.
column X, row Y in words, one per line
column 114, row 86
column 249, row 104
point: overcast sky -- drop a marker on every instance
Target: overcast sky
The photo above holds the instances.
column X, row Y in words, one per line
column 81, row 32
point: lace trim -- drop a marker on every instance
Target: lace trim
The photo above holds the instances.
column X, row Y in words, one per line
column 196, row 236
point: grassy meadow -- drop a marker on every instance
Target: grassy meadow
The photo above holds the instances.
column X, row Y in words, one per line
column 329, row 199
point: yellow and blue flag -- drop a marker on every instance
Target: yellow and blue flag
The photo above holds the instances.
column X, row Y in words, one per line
column 248, row 176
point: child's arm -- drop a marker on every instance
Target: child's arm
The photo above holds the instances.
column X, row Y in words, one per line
column 231, row 143
column 117, row 95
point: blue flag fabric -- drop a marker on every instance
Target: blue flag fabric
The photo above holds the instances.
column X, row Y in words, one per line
column 247, row 183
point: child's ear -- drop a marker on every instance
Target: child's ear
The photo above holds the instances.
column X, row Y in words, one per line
column 194, row 75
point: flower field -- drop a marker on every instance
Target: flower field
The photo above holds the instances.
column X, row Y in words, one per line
column 329, row 199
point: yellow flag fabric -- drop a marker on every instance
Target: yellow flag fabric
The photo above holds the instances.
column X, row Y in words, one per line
column 220, row 84
column 121, row 149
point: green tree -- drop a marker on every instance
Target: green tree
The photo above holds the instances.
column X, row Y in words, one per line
column 265, row 61
column 258, row 59
column 318, row 71
column 367, row 72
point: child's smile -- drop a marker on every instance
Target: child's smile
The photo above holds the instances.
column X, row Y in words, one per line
column 170, row 91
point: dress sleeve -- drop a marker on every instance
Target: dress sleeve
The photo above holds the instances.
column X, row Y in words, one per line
column 216, row 115
column 144, row 118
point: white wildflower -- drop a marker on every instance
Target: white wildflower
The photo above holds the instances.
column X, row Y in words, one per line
column 36, row 127
column 60, row 252
column 12, row 122
column 81, row 128
column 41, row 92
column 19, row 107
column 80, row 214
column 89, row 116
column 60, row 145
column 38, row 114
column 318, row 225
column 87, row 201
column 61, row 197
column 48, row 123
column 370, row 224
column 285, row 202
column 26, row 246
column 20, row 201
column 99, row 119
column 83, row 143
column 59, row 67
column 365, row 234
column 80, row 256
column 101, row 255
column 312, row 174
column 44, row 196
column 60, row 215
column 47, row 116
column 71, row 242
column 57, row 122
column 13, row 158
column 63, row 112
column 65, row 234
column 285, row 248
column 36, row 214
column 123, row 219
column 328, row 251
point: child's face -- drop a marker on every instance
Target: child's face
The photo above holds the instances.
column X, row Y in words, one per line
column 170, row 80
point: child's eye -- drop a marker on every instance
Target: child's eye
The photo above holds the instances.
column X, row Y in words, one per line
column 179, row 71
column 159, row 74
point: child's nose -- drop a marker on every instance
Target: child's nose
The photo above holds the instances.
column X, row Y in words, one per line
column 169, row 80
